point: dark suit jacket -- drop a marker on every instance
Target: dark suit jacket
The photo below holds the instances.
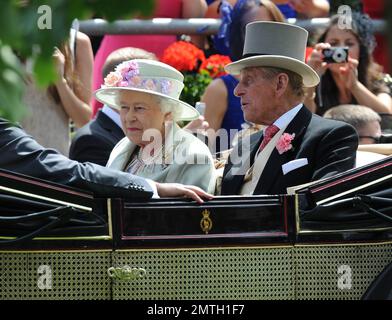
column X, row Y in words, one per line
column 329, row 146
column 94, row 141
column 20, row 153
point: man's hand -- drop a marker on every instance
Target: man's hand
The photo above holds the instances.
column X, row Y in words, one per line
column 199, row 125
column 180, row 190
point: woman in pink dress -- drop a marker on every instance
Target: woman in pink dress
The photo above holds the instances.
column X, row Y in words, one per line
column 153, row 43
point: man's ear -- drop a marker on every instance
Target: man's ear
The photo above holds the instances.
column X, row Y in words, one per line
column 282, row 82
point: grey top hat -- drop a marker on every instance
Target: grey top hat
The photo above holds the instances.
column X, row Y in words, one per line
column 275, row 44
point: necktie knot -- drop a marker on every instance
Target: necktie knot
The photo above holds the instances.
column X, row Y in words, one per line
column 269, row 133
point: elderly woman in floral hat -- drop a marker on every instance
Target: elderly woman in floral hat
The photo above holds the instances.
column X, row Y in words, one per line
column 146, row 93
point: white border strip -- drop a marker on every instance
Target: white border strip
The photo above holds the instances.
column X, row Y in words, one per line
column 46, row 199
column 352, row 190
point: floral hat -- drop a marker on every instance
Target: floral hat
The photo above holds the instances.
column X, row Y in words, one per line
column 148, row 76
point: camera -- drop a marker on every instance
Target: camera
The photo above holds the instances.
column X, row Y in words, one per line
column 335, row 55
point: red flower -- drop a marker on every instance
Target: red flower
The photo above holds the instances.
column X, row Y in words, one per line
column 198, row 72
column 215, row 64
column 183, row 56
column 308, row 52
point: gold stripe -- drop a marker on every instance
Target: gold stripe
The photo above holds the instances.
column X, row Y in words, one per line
column 355, row 189
column 58, row 251
column 45, row 198
column 297, row 222
column 205, row 249
column 109, row 207
column 202, row 249
column 105, row 237
column 343, row 230
column 261, row 247
column 64, row 238
column 344, row 244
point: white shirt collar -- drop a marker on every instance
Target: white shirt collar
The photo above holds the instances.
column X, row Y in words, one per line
column 112, row 115
column 284, row 120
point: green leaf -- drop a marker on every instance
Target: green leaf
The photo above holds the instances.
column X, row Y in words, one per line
column 194, row 86
column 11, row 85
column 112, row 9
column 19, row 29
column 44, row 71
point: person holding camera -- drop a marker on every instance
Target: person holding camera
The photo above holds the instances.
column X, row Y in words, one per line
column 348, row 74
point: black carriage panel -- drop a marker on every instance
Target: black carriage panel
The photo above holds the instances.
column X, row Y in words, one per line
column 39, row 214
column 352, row 206
column 222, row 221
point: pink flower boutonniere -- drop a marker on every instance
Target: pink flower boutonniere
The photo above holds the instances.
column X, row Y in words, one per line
column 284, row 142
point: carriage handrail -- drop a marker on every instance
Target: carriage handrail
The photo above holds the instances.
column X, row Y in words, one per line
column 98, row 27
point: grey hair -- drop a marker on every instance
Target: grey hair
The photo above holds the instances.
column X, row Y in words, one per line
column 171, row 106
column 165, row 105
column 356, row 115
column 295, row 80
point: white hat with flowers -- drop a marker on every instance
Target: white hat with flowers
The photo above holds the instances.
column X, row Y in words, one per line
column 148, row 76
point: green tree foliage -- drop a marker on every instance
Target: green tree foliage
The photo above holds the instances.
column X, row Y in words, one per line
column 194, row 86
column 32, row 28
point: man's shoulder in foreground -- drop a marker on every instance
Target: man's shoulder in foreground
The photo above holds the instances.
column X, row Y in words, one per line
column 94, row 141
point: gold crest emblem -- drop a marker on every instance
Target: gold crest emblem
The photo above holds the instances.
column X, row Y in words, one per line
column 206, row 222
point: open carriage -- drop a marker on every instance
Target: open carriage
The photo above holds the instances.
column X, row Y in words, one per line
column 328, row 240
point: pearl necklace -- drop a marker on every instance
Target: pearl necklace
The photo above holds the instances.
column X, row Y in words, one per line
column 141, row 162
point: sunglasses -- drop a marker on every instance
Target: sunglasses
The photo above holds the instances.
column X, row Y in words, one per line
column 375, row 139
column 384, row 138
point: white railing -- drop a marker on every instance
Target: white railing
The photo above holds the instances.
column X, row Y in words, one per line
column 98, row 27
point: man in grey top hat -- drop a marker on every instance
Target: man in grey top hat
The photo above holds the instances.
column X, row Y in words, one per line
column 295, row 146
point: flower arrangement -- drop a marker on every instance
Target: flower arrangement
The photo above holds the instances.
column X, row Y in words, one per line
column 284, row 143
column 127, row 74
column 198, row 70
column 214, row 65
column 124, row 74
column 184, row 56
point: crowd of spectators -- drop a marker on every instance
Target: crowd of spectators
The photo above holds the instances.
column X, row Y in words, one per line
column 356, row 90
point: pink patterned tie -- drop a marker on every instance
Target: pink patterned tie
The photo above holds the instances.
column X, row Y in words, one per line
column 269, row 133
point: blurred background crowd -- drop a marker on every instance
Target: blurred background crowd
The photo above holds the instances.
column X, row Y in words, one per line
column 357, row 89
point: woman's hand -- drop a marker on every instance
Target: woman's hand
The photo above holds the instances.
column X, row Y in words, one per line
column 59, row 61
column 180, row 190
column 349, row 74
column 315, row 60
